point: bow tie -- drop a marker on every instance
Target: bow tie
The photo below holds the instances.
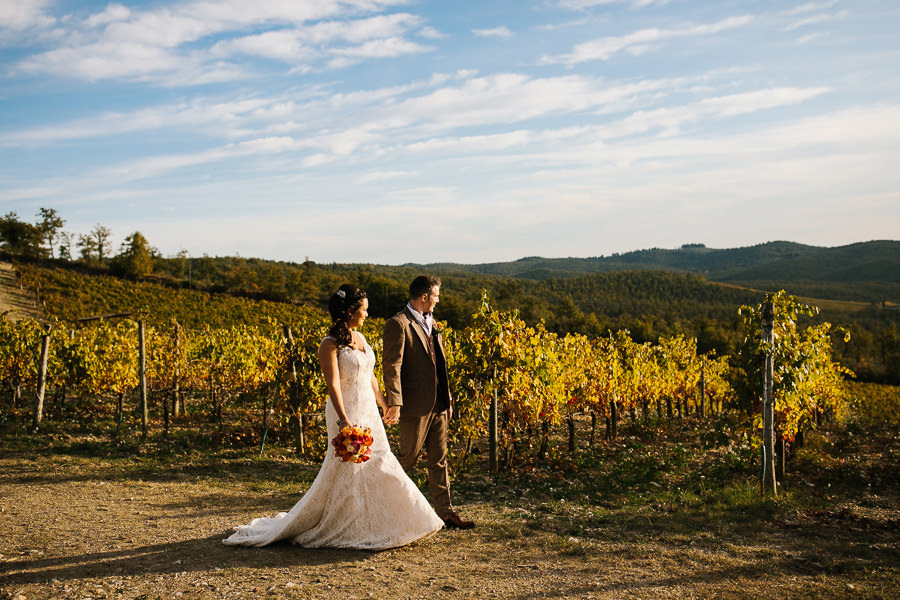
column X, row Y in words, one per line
column 427, row 314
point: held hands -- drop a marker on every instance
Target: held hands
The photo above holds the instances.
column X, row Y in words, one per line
column 391, row 415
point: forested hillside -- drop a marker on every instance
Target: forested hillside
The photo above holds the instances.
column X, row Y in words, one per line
column 694, row 258
column 650, row 303
column 866, row 272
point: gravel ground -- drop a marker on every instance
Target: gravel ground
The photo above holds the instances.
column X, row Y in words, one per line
column 79, row 527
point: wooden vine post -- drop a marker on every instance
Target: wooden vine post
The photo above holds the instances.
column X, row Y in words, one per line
column 701, row 406
column 142, row 377
column 165, row 403
column 614, row 417
column 492, row 428
column 42, row 379
column 768, row 404
column 176, row 378
column 296, row 420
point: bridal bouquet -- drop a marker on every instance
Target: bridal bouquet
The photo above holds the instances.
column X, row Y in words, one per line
column 353, row 444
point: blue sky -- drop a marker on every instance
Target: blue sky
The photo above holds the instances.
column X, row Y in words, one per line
column 394, row 131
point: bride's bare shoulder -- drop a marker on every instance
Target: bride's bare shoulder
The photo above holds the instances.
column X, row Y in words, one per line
column 328, row 345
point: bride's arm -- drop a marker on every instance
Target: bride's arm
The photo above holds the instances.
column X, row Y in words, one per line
column 328, row 352
column 378, row 395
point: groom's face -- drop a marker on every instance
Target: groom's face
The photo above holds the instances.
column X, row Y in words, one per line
column 431, row 299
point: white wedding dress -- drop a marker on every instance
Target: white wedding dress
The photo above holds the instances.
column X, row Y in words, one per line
column 371, row 505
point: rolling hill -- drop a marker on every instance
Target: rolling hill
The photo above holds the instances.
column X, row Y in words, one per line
column 863, row 272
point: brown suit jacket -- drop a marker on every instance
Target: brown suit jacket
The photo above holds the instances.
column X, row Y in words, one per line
column 413, row 376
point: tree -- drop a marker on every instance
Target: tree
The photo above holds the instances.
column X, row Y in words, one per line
column 135, row 259
column 66, row 240
column 49, row 227
column 19, row 237
column 96, row 245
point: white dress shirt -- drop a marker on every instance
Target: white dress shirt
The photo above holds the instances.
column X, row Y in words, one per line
column 424, row 320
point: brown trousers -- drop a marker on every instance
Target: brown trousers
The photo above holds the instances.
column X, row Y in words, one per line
column 428, row 432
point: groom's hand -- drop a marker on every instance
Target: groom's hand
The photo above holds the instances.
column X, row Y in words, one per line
column 391, row 415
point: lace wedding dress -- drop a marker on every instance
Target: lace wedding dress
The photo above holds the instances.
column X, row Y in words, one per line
column 371, row 505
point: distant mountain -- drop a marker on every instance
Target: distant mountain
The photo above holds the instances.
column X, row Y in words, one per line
column 692, row 258
column 868, row 261
column 866, row 271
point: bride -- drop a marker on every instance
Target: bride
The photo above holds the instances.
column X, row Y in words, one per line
column 370, row 505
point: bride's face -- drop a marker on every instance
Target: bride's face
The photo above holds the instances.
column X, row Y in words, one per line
column 362, row 313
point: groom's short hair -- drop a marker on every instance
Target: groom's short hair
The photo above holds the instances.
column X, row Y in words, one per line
column 423, row 284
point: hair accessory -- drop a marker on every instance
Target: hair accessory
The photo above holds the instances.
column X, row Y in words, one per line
column 341, row 294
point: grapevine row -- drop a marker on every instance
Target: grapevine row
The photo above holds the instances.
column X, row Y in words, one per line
column 540, row 379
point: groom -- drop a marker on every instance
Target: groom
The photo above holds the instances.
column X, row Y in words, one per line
column 417, row 391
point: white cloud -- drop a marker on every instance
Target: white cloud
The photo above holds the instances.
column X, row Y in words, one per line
column 105, row 60
column 374, row 176
column 585, row 4
column 194, row 115
column 502, row 32
column 432, row 33
column 813, row 20
column 810, row 7
column 284, row 45
column 672, row 119
column 383, row 48
column 157, row 165
column 185, row 44
column 9, row 193
column 361, row 30
column 637, row 42
column 472, row 144
column 507, row 98
column 808, row 38
column 114, row 13
column 17, row 16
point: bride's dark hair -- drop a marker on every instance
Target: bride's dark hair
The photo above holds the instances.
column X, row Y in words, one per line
column 341, row 305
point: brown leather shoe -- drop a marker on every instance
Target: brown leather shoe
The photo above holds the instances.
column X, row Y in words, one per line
column 453, row 520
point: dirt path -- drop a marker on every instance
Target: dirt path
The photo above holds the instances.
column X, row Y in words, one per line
column 20, row 302
column 80, row 527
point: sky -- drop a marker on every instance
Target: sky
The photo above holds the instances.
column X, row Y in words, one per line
column 472, row 131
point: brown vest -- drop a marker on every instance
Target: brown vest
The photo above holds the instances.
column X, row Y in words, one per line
column 442, row 402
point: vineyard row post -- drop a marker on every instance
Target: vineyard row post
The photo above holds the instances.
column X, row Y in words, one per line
column 178, row 406
column 142, row 377
column 702, row 387
column 768, row 445
column 165, row 399
column 42, row 379
column 296, row 420
column 492, row 431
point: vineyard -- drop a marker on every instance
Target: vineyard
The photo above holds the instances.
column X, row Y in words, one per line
column 247, row 383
